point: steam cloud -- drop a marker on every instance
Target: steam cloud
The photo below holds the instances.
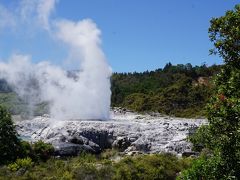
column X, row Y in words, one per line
column 82, row 95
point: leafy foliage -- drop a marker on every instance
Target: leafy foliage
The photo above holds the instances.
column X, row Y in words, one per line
column 9, row 143
column 201, row 139
column 26, row 149
column 25, row 163
column 12, row 148
column 203, row 168
column 224, row 120
column 42, row 151
column 224, row 109
column 149, row 167
column 223, row 132
column 224, row 32
column 87, row 166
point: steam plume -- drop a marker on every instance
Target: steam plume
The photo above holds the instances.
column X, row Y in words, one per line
column 83, row 95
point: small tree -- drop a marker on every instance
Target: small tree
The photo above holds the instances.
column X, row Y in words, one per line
column 9, row 142
column 224, row 108
column 224, row 32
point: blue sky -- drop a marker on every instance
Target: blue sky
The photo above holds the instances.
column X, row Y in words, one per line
column 137, row 35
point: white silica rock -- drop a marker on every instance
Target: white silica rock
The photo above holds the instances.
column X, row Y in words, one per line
column 127, row 131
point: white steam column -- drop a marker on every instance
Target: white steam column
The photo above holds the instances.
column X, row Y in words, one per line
column 86, row 96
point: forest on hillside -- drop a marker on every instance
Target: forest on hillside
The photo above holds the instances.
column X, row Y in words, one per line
column 176, row 90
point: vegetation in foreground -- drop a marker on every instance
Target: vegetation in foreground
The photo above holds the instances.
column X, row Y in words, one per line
column 221, row 138
column 87, row 166
column 13, row 148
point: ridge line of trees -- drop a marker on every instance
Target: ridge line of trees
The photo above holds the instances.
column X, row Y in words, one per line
column 178, row 90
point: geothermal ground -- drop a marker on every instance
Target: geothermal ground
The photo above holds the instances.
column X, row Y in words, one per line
column 127, row 131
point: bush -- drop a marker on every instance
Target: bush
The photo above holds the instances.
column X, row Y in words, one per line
column 42, row 151
column 67, row 176
column 85, row 171
column 201, row 138
column 206, row 168
column 9, row 142
column 159, row 166
column 25, row 163
column 87, row 166
column 26, row 149
column 109, row 154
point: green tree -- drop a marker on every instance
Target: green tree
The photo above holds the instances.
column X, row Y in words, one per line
column 224, row 108
column 224, row 32
column 9, row 142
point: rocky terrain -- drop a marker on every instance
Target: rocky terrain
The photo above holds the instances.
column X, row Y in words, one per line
column 127, row 131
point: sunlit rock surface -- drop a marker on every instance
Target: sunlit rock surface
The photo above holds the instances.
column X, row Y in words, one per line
column 129, row 132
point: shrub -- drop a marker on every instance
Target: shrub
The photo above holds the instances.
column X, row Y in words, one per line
column 205, row 168
column 86, row 166
column 9, row 142
column 85, row 171
column 26, row 149
column 109, row 154
column 25, row 163
column 159, row 166
column 201, row 138
column 67, row 176
column 42, row 151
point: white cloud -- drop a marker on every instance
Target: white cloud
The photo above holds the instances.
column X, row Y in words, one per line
column 6, row 18
column 26, row 10
column 44, row 10
column 28, row 13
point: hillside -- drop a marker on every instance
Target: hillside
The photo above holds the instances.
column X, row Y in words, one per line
column 177, row 90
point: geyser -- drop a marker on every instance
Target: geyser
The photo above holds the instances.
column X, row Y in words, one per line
column 84, row 96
